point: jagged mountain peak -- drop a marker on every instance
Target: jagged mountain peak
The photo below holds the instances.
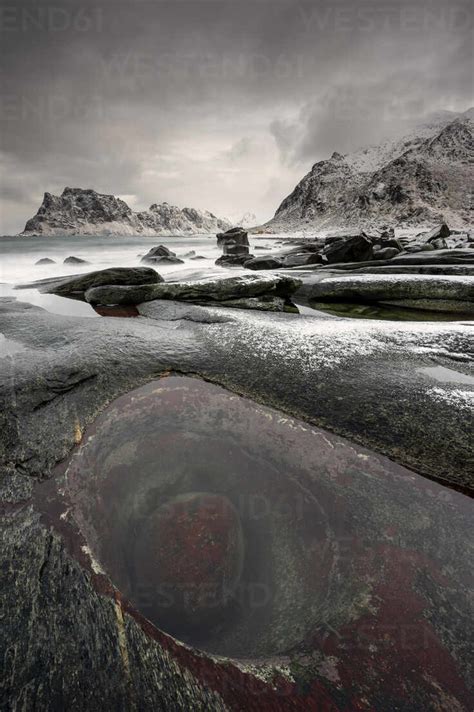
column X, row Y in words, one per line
column 420, row 179
column 84, row 211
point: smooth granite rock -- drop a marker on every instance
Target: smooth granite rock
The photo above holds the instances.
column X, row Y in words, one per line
column 230, row 288
column 78, row 284
column 364, row 558
column 383, row 287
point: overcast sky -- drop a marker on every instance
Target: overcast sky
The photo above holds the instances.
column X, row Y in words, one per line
column 217, row 105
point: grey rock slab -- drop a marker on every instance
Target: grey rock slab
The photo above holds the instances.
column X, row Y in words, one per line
column 438, row 305
column 458, row 269
column 311, row 367
column 79, row 283
column 382, row 287
column 209, row 290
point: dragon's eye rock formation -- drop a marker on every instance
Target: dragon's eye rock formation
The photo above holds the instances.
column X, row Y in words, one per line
column 85, row 212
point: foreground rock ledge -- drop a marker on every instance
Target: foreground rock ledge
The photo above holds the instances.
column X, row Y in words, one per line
column 269, row 293
column 453, row 293
column 69, row 644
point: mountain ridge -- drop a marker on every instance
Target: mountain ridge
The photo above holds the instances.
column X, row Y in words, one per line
column 84, row 211
column 418, row 180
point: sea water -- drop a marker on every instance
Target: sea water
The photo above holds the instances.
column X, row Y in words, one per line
column 18, row 257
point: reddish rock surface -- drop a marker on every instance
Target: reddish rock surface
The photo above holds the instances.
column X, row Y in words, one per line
column 191, row 554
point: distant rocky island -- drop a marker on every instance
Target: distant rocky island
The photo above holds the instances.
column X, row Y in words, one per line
column 80, row 211
column 419, row 180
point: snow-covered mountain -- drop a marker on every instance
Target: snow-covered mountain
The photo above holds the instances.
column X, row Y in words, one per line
column 420, row 179
column 85, row 212
column 246, row 221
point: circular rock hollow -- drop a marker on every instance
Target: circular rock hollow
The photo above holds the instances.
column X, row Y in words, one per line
column 186, row 497
column 250, row 534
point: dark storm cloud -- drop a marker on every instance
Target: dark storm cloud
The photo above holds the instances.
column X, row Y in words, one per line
column 217, row 104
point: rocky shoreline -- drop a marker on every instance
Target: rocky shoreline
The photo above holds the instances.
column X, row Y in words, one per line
column 401, row 391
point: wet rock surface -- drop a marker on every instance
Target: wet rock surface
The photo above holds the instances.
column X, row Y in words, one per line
column 190, row 552
column 354, row 252
column 71, row 368
column 385, row 287
column 79, row 284
column 233, row 291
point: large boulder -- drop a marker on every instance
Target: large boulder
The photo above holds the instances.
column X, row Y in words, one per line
column 356, row 248
column 161, row 254
column 45, row 261
column 264, row 263
column 440, row 231
column 200, row 292
column 233, row 260
column 234, row 236
column 235, row 247
column 79, row 284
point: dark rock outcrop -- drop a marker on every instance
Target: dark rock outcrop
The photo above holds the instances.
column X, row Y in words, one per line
column 75, row 261
column 201, row 292
column 68, row 286
column 234, row 260
column 45, row 261
column 348, row 249
column 235, row 246
column 437, row 232
column 161, row 255
column 264, row 263
column 234, row 236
